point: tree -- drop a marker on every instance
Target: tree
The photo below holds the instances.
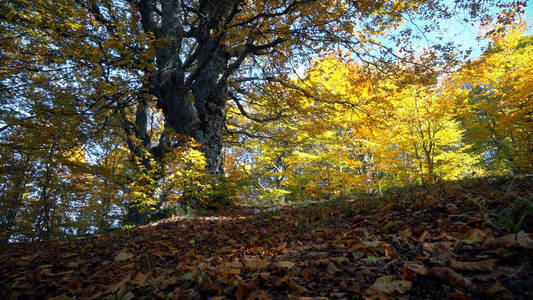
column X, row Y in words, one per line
column 494, row 93
column 150, row 75
column 192, row 56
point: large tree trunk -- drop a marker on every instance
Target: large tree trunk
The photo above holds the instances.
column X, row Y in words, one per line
column 210, row 102
column 199, row 113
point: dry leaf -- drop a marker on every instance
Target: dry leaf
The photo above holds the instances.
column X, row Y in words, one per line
column 521, row 238
column 449, row 276
column 340, row 260
column 259, row 295
column 285, row 264
column 388, row 206
column 332, row 269
column 114, row 287
column 225, row 270
column 243, row 289
column 282, row 281
column 479, row 266
column 525, row 240
column 473, row 236
column 255, row 264
column 495, row 289
column 296, row 288
column 123, row 256
column 387, row 284
column 413, row 270
column 507, row 240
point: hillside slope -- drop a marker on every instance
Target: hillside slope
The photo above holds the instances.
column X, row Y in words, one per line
column 456, row 242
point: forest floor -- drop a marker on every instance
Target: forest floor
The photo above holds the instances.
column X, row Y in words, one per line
column 463, row 240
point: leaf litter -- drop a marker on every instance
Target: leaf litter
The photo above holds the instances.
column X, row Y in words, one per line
column 345, row 251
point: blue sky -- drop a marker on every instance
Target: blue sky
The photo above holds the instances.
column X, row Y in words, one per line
column 529, row 16
column 461, row 33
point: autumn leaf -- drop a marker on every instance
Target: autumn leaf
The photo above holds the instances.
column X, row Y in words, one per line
column 116, row 286
column 387, row 284
column 413, row 271
column 473, row 236
column 285, row 264
column 525, row 239
column 449, row 276
column 123, row 256
column 477, row 266
column 255, row 264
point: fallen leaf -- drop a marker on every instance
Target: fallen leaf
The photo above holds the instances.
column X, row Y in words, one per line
column 285, row 264
column 243, row 290
column 340, row 260
column 114, row 287
column 390, row 225
column 332, row 269
column 282, row 281
column 495, row 289
column 319, row 262
column 296, row 288
column 449, row 276
column 235, row 264
column 375, row 244
column 255, row 264
column 259, row 295
column 225, row 270
column 123, row 256
column 521, row 238
column 473, row 236
column 478, row 266
column 68, row 255
column 387, row 284
column 388, row 206
column 525, row 240
column 413, row 270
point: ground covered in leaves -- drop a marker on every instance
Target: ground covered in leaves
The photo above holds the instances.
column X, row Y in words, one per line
column 463, row 241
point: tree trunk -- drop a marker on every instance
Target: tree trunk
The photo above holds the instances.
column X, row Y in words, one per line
column 210, row 103
column 199, row 114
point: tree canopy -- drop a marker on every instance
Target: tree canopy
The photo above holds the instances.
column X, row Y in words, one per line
column 108, row 107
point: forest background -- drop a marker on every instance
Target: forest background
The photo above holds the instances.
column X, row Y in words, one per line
column 342, row 106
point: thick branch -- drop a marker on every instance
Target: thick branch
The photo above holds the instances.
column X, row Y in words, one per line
column 247, row 115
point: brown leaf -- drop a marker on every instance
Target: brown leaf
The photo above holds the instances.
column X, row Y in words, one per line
column 114, row 287
column 386, row 284
column 225, row 270
column 282, row 281
column 525, row 240
column 319, row 262
column 413, row 270
column 478, row 266
column 259, row 295
column 473, row 236
column 495, row 289
column 243, row 289
column 423, row 236
column 449, row 276
column 296, row 288
column 123, row 256
column 235, row 264
column 388, row 206
column 332, row 269
column 513, row 239
column 264, row 276
column 285, row 264
column 340, row 260
column 255, row 264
